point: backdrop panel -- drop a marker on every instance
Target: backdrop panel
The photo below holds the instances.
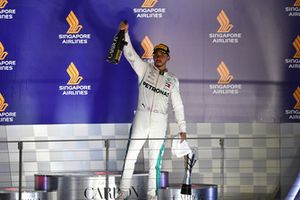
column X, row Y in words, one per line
column 238, row 61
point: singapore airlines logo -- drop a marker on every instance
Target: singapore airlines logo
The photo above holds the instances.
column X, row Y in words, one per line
column 73, row 36
column 74, row 75
column 225, row 25
column 225, row 76
column 293, row 11
column 5, row 116
column 224, row 34
column 294, row 114
column 3, row 105
column 73, row 88
column 3, row 53
column 296, row 95
column 6, row 65
column 296, row 44
column 3, row 3
column 148, row 48
column 6, row 14
column 149, row 10
column 223, row 87
column 149, row 3
column 73, row 23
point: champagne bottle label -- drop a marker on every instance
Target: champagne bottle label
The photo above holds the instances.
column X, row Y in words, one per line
column 115, row 51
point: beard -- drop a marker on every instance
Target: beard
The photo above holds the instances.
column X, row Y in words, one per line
column 158, row 64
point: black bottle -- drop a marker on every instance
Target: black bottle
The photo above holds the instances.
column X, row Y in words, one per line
column 116, row 48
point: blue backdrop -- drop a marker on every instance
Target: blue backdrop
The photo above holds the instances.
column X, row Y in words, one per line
column 252, row 45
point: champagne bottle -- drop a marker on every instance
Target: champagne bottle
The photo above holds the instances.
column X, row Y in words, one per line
column 115, row 51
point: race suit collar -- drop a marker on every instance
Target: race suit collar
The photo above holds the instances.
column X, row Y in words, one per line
column 161, row 72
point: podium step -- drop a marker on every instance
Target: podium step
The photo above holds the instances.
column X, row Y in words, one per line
column 199, row 192
column 78, row 186
column 27, row 194
column 90, row 185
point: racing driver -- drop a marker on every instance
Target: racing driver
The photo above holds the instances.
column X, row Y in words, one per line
column 157, row 87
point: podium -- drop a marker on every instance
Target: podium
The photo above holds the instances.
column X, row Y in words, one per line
column 199, row 192
column 90, row 186
column 79, row 186
column 94, row 186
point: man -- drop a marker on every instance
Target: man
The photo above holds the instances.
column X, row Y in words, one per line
column 156, row 88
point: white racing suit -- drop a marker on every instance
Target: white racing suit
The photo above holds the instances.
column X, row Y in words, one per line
column 156, row 90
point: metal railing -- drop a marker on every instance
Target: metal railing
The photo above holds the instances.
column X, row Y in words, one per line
column 224, row 148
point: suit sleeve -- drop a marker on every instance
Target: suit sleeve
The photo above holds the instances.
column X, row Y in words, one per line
column 138, row 65
column 178, row 106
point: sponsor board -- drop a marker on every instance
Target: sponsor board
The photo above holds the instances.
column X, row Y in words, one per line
column 294, row 114
column 74, row 86
column 225, row 85
column 294, row 63
column 6, row 65
column 148, row 9
column 73, row 34
column 224, row 34
column 6, row 116
column 6, row 13
column 293, row 10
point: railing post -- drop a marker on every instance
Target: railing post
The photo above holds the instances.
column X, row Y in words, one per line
column 20, row 147
column 106, row 168
column 221, row 142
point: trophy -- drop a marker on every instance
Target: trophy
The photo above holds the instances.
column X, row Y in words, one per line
column 189, row 162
